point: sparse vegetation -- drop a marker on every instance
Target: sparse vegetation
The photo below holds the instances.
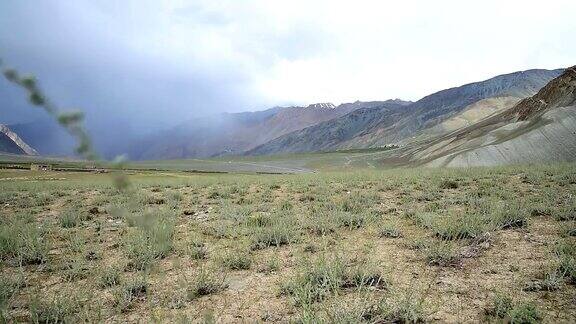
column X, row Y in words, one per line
column 390, row 231
column 237, row 260
column 206, row 282
column 109, row 277
column 129, row 294
column 23, row 243
column 58, row 309
column 365, row 246
column 504, row 307
column 524, row 313
column 151, row 240
column 500, row 306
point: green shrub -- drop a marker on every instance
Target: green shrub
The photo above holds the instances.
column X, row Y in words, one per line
column 566, row 248
column 259, row 220
column 57, row 309
column 175, row 196
column 357, row 202
column 286, row 205
column 23, row 242
column 215, row 194
column 419, row 244
column 566, row 213
column 69, row 218
column 441, row 254
column 109, row 277
column 551, row 281
column 351, row 221
column 500, row 306
column 524, row 313
column 448, row 184
column 363, row 276
column 390, row 231
column 456, row 227
column 321, row 223
column 220, row 229
column 567, row 268
column 510, row 215
column 207, row 282
column 237, row 260
column 129, row 294
column 325, row 276
column 318, row 281
column 271, row 265
column 118, row 211
column 152, row 239
column 410, row 309
column 280, row 232
column 422, row 219
column 8, row 287
column 196, row 250
column 76, row 269
column 43, row 199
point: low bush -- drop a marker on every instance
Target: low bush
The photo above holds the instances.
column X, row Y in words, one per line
column 390, row 231
column 129, row 294
column 23, row 243
column 152, row 239
column 281, row 231
column 109, row 277
column 524, row 313
column 56, row 309
column 500, row 306
column 206, row 282
column 441, row 254
column 237, row 260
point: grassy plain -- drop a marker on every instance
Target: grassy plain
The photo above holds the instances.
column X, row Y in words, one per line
column 366, row 245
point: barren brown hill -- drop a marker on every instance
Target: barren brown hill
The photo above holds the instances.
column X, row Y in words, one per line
column 560, row 92
column 541, row 128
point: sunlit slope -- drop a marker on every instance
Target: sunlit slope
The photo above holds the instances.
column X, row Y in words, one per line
column 538, row 129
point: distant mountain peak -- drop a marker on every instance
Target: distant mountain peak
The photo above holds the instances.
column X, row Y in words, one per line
column 322, row 105
column 399, row 101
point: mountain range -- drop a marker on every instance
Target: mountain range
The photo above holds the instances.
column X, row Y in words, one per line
column 513, row 118
column 230, row 134
column 378, row 127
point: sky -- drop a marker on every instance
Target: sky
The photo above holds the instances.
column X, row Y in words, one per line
column 141, row 65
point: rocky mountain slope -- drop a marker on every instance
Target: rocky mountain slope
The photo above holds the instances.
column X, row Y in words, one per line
column 46, row 137
column 468, row 116
column 378, row 127
column 10, row 142
column 334, row 133
column 235, row 133
column 541, row 128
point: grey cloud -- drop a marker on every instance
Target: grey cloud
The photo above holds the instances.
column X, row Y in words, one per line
column 82, row 64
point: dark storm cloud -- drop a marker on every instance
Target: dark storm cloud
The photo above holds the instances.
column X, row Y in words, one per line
column 85, row 57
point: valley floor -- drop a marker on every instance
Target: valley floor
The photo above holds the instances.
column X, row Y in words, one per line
column 400, row 245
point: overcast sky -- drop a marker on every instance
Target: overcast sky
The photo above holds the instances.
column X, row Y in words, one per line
column 153, row 63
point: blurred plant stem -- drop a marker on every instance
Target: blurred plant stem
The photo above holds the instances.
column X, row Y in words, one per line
column 72, row 120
